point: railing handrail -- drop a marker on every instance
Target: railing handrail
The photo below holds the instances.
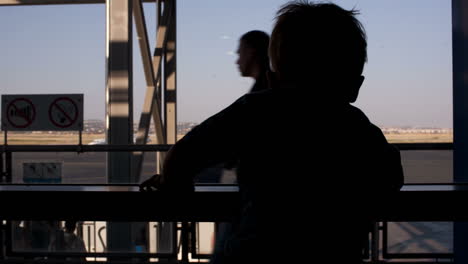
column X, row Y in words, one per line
column 424, row 146
column 411, row 204
column 84, row 148
column 166, row 147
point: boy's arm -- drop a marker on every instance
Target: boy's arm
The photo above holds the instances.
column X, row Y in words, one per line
column 388, row 164
column 393, row 176
column 213, row 141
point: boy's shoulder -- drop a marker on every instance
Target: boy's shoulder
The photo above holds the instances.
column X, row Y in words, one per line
column 358, row 114
column 361, row 121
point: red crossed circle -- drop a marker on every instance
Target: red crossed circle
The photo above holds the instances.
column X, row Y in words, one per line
column 55, row 106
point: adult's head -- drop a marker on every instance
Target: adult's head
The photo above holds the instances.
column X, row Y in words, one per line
column 318, row 42
column 253, row 53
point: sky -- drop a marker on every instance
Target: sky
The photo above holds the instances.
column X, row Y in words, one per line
column 61, row 49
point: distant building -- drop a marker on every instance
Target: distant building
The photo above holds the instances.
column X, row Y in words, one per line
column 184, row 127
column 416, row 130
column 94, row 126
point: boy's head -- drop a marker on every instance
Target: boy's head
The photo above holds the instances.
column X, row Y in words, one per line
column 319, row 42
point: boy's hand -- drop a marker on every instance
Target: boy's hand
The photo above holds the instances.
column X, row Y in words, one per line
column 151, row 184
column 157, row 183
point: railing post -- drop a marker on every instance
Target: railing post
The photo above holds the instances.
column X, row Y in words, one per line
column 185, row 241
column 2, row 240
column 8, row 167
column 2, row 173
column 375, row 243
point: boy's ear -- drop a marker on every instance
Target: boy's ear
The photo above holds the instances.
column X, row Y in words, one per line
column 354, row 88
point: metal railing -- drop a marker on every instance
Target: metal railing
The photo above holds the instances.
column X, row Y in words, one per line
column 187, row 231
column 402, row 208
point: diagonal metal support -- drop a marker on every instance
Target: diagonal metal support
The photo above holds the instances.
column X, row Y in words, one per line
column 152, row 104
column 170, row 91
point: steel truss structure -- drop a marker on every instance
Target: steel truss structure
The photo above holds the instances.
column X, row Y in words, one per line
column 160, row 69
column 160, row 99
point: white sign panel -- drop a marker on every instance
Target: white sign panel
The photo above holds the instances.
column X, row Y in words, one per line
column 39, row 112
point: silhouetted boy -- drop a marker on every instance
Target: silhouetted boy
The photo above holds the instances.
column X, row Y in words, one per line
column 311, row 165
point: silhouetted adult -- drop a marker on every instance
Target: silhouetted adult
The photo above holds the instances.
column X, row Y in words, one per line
column 65, row 240
column 73, row 242
column 253, row 61
column 311, row 164
column 253, row 58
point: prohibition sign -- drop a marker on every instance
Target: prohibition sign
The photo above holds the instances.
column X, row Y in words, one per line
column 63, row 112
column 21, row 113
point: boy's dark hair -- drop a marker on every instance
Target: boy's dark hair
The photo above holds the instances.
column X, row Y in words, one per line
column 258, row 41
column 317, row 40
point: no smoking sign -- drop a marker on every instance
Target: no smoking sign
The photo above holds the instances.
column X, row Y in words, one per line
column 63, row 112
column 42, row 112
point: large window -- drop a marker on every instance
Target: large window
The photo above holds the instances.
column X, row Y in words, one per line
column 407, row 91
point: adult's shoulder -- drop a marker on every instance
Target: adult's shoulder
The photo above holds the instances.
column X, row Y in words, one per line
column 259, row 95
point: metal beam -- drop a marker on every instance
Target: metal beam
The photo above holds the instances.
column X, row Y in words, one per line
column 54, row 2
column 158, row 74
column 119, row 109
column 460, row 116
column 165, row 22
column 84, row 148
column 164, row 147
column 119, row 97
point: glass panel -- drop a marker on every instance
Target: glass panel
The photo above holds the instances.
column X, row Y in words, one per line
column 219, row 174
column 408, row 86
column 206, row 238
column 428, row 166
column 53, row 236
column 420, row 237
column 56, row 237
